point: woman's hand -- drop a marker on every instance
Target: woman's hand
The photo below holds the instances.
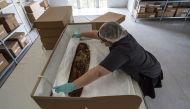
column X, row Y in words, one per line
column 66, row 88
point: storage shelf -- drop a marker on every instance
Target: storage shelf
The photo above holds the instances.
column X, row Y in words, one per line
column 4, row 72
column 166, row 2
column 166, row 18
column 177, row 17
column 14, row 61
column 172, row 1
column 23, row 52
column 150, row 18
column 6, row 69
column 3, row 39
column 9, row 5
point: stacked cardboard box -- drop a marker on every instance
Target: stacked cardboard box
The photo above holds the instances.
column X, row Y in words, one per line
column 20, row 38
column 51, row 24
column 140, row 11
column 145, row 10
column 150, row 8
column 108, row 17
column 3, row 63
column 182, row 12
column 3, row 32
column 159, row 12
column 33, row 10
column 13, row 47
column 170, row 11
column 141, row 8
column 9, row 21
column 3, row 4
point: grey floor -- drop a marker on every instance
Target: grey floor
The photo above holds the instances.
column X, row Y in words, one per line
column 168, row 41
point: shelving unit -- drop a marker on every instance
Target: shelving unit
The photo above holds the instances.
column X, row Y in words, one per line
column 164, row 4
column 14, row 60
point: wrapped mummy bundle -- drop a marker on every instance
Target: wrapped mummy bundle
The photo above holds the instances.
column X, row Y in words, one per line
column 80, row 65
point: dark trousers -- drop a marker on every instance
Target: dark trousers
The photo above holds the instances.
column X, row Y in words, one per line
column 148, row 84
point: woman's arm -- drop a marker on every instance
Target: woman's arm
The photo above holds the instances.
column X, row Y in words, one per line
column 91, row 34
column 90, row 76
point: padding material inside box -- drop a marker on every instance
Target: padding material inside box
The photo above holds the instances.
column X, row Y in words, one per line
column 46, row 82
column 112, row 81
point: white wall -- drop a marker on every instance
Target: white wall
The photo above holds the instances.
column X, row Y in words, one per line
column 58, row 2
column 131, row 6
column 117, row 3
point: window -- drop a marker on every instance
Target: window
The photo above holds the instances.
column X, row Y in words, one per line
column 88, row 3
column 73, row 3
column 103, row 3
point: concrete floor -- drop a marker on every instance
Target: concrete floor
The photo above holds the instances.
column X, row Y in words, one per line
column 168, row 41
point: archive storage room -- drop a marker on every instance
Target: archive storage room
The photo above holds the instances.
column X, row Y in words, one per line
column 94, row 54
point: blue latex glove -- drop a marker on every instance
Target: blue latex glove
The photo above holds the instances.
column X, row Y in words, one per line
column 76, row 35
column 66, row 88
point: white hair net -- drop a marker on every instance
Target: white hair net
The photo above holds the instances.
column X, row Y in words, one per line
column 112, row 31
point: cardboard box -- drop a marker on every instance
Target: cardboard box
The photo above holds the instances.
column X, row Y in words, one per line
column 9, row 21
column 159, row 13
column 170, row 6
column 169, row 13
column 44, row 4
column 171, row 9
column 182, row 12
column 181, row 15
column 50, row 33
column 49, row 43
column 31, row 17
column 108, row 17
column 142, row 5
column 150, row 8
column 3, row 4
column 20, row 38
column 139, row 15
column 51, row 23
column 13, row 47
column 144, row 15
column 150, row 15
column 3, row 63
column 34, row 16
column 141, row 10
column 55, row 17
column 3, row 32
column 42, row 90
column 34, row 6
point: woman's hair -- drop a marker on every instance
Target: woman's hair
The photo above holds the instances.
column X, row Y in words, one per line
column 112, row 31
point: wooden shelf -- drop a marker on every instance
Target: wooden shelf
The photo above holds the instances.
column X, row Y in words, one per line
column 23, row 52
column 6, row 72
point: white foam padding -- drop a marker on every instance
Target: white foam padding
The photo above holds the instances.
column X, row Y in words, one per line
column 115, row 83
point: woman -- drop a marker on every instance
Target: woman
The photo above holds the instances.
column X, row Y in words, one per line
column 125, row 54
